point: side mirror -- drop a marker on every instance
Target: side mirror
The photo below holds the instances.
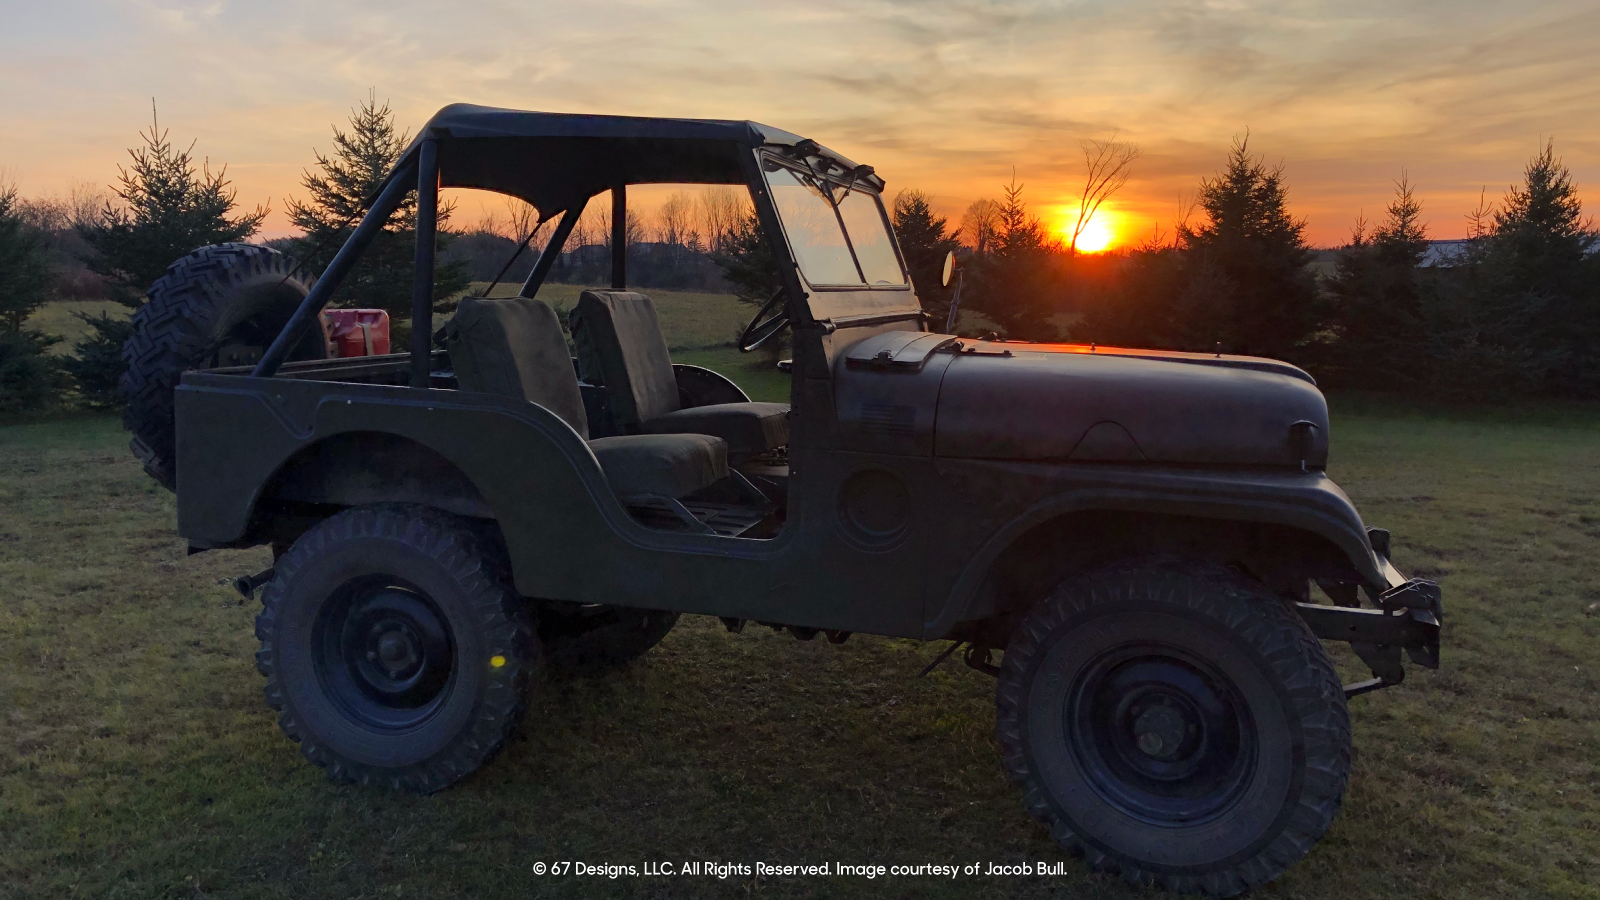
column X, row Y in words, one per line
column 949, row 268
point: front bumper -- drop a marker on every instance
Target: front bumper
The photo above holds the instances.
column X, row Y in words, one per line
column 1408, row 617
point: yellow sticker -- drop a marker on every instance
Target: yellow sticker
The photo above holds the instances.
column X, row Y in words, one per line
column 497, row 661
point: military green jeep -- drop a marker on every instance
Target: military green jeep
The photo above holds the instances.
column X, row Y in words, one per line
column 1125, row 539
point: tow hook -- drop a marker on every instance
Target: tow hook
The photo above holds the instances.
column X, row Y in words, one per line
column 247, row 585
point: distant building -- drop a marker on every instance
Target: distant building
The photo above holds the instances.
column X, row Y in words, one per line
column 1444, row 254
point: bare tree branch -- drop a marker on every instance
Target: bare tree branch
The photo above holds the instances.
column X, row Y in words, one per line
column 1107, row 165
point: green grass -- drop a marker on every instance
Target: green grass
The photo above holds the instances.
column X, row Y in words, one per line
column 61, row 320
column 701, row 330
column 691, row 320
column 137, row 758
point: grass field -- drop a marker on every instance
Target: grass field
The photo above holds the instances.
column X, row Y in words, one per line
column 137, row 758
column 700, row 329
column 61, row 319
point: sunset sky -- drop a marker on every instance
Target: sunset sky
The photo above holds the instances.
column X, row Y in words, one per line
column 944, row 95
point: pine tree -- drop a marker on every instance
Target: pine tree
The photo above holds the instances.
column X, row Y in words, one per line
column 29, row 376
column 169, row 207
column 1377, row 297
column 25, row 277
column 924, row 241
column 1248, row 287
column 340, row 191
column 1018, row 282
column 1537, row 277
column 746, row 261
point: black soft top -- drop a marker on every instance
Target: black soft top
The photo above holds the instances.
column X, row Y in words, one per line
column 556, row 161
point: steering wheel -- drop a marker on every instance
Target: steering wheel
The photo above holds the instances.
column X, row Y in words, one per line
column 772, row 318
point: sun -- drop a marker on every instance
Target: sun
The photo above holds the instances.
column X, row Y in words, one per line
column 1097, row 236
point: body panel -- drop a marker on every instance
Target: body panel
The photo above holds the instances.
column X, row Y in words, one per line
column 835, row 565
column 568, row 536
column 1040, row 401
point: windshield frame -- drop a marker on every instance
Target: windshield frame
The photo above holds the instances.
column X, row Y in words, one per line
column 835, row 184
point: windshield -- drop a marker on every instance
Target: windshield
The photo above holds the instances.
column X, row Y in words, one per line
column 817, row 233
column 869, row 235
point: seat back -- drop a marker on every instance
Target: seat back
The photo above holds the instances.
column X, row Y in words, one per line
column 621, row 346
column 514, row 348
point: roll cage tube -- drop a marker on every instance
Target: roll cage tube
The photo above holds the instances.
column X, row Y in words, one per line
column 377, row 216
column 767, row 215
column 552, row 250
column 422, row 283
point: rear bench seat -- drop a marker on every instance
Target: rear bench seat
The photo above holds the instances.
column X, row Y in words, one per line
column 514, row 348
column 620, row 345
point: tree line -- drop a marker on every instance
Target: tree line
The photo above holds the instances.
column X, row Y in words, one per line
column 1516, row 311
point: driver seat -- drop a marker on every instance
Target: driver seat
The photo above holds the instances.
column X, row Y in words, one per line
column 620, row 345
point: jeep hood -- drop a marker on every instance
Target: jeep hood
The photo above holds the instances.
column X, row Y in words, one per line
column 1083, row 403
column 907, row 392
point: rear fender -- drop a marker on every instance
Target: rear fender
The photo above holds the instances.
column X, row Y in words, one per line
column 537, row 477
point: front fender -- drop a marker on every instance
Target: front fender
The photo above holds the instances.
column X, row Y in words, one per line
column 1308, row 501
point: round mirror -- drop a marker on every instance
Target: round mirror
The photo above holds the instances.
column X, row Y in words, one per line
column 949, row 268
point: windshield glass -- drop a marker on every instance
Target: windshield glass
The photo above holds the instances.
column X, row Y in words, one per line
column 813, row 230
column 869, row 235
column 819, row 242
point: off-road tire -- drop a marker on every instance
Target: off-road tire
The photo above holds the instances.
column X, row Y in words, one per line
column 217, row 295
column 594, row 639
column 1193, row 611
column 492, row 654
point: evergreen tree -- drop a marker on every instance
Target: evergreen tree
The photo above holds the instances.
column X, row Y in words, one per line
column 748, row 265
column 1376, row 299
column 169, row 207
column 1248, row 289
column 1017, row 283
column 746, row 261
column 924, row 242
column 25, row 278
column 340, row 191
column 29, row 376
column 1537, row 278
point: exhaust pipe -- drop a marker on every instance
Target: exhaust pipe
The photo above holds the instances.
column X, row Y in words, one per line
column 247, row 585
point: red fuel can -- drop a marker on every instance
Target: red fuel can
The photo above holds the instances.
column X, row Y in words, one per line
column 358, row 332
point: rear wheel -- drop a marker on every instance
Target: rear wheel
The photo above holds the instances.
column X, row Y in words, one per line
column 220, row 305
column 1176, row 724
column 394, row 649
column 589, row 639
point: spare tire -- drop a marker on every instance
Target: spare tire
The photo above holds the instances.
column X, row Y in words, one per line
column 220, row 305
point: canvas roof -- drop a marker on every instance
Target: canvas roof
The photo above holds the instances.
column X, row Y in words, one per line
column 559, row 160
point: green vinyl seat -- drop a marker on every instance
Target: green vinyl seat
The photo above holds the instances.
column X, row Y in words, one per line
column 514, row 348
column 620, row 345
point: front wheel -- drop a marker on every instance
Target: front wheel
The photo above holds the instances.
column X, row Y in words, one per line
column 1176, row 724
column 394, row 649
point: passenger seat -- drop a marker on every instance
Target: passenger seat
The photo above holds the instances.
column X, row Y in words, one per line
column 514, row 348
column 620, row 345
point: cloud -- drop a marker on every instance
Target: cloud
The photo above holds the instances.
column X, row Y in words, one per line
column 947, row 95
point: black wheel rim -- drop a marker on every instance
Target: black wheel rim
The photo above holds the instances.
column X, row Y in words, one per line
column 384, row 654
column 1160, row 734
